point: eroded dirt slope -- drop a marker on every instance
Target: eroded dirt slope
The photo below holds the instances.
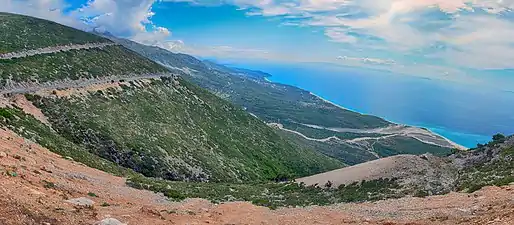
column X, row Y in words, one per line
column 35, row 184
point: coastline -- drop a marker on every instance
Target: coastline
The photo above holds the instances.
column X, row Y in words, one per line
column 459, row 146
column 421, row 129
column 336, row 105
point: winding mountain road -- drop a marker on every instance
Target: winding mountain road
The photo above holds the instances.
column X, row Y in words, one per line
column 25, row 88
column 54, row 49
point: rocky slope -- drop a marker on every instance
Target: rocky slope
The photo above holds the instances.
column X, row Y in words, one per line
column 421, row 174
column 40, row 187
column 469, row 170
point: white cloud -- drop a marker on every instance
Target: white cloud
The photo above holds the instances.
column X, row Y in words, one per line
column 340, row 35
column 46, row 9
column 368, row 60
column 474, row 34
column 230, row 52
column 121, row 17
column 127, row 18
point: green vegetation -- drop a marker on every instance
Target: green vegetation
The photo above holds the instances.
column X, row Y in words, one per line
column 265, row 194
column 272, row 195
column 289, row 106
column 76, row 64
column 349, row 154
column 12, row 173
column 498, row 173
column 497, row 170
column 48, row 184
column 325, row 133
column 24, row 33
column 271, row 102
column 32, row 129
column 177, row 131
column 352, row 154
column 369, row 190
column 407, row 145
column 91, row 194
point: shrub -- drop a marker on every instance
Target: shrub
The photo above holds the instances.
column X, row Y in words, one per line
column 5, row 113
column 48, row 184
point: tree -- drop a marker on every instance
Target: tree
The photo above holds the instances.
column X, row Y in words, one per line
column 328, row 184
column 498, row 137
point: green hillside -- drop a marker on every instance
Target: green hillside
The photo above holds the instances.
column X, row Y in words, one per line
column 177, row 131
column 76, row 64
column 271, row 102
column 25, row 33
column 160, row 127
column 290, row 106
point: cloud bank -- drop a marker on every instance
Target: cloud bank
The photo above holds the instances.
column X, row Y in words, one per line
column 467, row 33
column 127, row 18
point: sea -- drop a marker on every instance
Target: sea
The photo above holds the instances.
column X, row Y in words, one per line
column 463, row 113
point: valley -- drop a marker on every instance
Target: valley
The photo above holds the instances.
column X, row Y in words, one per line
column 102, row 130
column 309, row 116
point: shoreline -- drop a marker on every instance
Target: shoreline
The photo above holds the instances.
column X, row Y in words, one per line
column 457, row 145
column 427, row 129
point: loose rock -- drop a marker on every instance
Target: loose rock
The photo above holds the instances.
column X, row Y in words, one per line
column 81, row 201
column 109, row 221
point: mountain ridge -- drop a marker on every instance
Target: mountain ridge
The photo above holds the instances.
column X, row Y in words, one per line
column 293, row 108
column 170, row 128
column 158, row 131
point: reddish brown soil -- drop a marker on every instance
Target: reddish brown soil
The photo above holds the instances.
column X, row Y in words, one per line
column 25, row 199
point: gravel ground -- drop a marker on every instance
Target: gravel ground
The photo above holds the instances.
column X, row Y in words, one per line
column 27, row 197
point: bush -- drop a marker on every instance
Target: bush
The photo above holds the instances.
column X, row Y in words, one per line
column 498, row 137
column 5, row 113
column 48, row 184
column 421, row 194
column 174, row 195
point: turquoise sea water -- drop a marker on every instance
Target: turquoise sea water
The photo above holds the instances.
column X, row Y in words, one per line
column 464, row 114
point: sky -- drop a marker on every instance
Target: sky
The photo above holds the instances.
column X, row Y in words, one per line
column 464, row 41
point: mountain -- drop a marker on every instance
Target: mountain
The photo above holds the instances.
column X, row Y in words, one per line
column 298, row 115
column 94, row 95
column 96, row 104
column 468, row 171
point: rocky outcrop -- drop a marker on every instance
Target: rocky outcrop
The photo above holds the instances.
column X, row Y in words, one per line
column 487, row 153
column 428, row 173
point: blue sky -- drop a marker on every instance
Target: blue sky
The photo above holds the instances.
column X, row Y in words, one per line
column 465, row 41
